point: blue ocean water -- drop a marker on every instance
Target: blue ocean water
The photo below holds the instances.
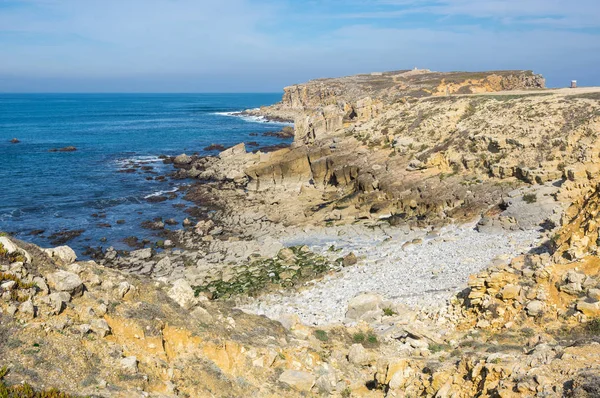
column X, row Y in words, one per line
column 84, row 190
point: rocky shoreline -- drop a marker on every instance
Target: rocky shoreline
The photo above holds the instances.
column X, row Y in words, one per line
column 423, row 235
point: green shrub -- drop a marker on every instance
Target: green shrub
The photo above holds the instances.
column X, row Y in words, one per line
column 372, row 339
column 358, row 337
column 530, row 198
column 389, row 312
column 593, row 326
column 321, row 335
column 434, row 348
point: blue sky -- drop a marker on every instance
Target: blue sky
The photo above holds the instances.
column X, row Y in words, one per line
column 264, row 45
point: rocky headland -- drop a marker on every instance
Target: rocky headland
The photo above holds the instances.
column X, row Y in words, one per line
column 426, row 234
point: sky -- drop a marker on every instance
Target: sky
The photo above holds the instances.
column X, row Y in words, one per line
column 264, row 45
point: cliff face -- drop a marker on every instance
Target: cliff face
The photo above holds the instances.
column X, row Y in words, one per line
column 324, row 105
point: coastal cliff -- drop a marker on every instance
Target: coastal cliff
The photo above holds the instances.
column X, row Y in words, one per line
column 426, row 235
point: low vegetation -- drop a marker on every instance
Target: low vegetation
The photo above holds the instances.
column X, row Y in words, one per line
column 25, row 390
column 530, row 198
column 260, row 275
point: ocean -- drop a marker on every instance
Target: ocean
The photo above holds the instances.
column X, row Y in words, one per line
column 45, row 192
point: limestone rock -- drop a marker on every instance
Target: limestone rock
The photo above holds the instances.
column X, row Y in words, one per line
column 11, row 248
column 535, row 308
column 129, row 364
column 63, row 281
column 142, row 254
column 27, row 309
column 58, row 301
column 591, row 310
column 349, row 259
column 363, row 304
column 238, row 149
column 359, row 355
column 100, row 327
column 298, row 380
column 123, row 289
column 182, row 159
column 183, row 294
column 63, row 253
column 510, row 292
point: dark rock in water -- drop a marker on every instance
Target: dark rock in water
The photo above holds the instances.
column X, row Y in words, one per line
column 93, row 252
column 156, row 199
column 103, row 239
column 179, row 205
column 215, row 147
column 252, row 143
column 147, row 167
column 126, row 171
column 133, row 242
column 171, row 221
column 149, row 178
column 64, row 149
column 253, row 134
column 120, row 222
column 14, row 141
column 62, row 237
column 287, row 132
column 154, row 225
column 273, row 148
column 104, row 225
column 36, row 232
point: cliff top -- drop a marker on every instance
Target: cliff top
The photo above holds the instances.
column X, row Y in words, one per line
column 409, row 83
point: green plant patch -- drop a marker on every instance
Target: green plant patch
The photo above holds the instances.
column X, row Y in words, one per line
column 260, row 275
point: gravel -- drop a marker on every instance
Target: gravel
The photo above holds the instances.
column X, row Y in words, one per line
column 421, row 274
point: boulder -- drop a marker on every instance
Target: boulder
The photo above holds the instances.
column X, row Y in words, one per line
column 359, row 355
column 11, row 248
column 100, row 327
column 286, row 255
column 363, row 304
column 535, row 308
column 269, row 247
column 238, row 149
column 27, row 309
column 183, row 294
column 594, row 294
column 182, row 159
column 63, row 253
column 129, row 364
column 63, row 281
column 298, row 380
column 591, row 310
column 142, row 254
column 58, row 301
column 123, row 289
column 510, row 292
column 349, row 259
